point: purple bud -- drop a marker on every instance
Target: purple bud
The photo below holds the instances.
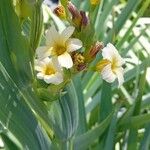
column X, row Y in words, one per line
column 85, row 19
column 73, row 10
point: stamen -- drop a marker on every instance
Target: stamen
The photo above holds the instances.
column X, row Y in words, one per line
column 59, row 50
column 49, row 70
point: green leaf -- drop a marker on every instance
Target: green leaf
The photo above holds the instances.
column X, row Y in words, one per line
column 64, row 114
column 122, row 18
column 135, row 122
column 110, row 141
column 85, row 140
column 16, row 117
column 14, row 52
column 105, row 103
column 139, row 14
column 82, row 127
column 101, row 19
column 132, row 139
column 145, row 143
column 8, row 143
column 16, row 80
column 36, row 26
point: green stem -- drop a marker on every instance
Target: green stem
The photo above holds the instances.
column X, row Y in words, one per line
column 66, row 145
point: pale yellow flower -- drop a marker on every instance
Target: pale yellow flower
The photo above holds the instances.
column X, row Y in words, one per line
column 111, row 65
column 49, row 70
column 60, row 45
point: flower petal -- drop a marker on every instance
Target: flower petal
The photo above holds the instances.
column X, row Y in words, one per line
column 119, row 73
column 52, row 36
column 107, row 74
column 110, row 52
column 67, row 33
column 40, row 75
column 56, row 64
column 59, row 78
column 107, row 52
column 54, row 79
column 38, row 65
column 38, row 68
column 73, row 44
column 65, row 60
column 47, row 60
column 43, row 52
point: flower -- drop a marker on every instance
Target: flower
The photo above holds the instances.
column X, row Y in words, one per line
column 60, row 46
column 49, row 70
column 110, row 66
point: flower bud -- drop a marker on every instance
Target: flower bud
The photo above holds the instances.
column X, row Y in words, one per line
column 76, row 17
column 91, row 54
column 79, row 18
column 95, row 49
column 60, row 12
column 85, row 20
column 94, row 2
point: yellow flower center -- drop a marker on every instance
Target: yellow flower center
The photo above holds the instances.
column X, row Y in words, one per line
column 114, row 64
column 100, row 65
column 49, row 70
column 103, row 63
column 59, row 50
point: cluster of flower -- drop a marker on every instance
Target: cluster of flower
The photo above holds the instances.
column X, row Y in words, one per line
column 60, row 52
column 56, row 54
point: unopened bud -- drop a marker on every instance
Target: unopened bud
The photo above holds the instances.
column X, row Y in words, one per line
column 94, row 2
column 60, row 12
column 95, row 49
column 85, row 19
column 79, row 18
column 76, row 17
